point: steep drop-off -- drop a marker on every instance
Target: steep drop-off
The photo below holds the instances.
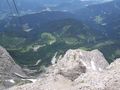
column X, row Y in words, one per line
column 78, row 70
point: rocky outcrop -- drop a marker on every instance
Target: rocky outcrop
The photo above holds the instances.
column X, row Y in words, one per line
column 76, row 62
column 113, row 76
column 9, row 70
column 78, row 70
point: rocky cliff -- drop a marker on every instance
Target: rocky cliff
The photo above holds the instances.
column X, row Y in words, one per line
column 78, row 70
column 9, row 70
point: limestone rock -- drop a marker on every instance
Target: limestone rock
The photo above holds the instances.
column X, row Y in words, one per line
column 8, row 69
column 113, row 75
column 76, row 62
column 78, row 70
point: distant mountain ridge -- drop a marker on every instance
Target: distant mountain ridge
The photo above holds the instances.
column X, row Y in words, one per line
column 30, row 6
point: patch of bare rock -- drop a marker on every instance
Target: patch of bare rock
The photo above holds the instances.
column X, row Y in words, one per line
column 78, row 70
column 9, row 70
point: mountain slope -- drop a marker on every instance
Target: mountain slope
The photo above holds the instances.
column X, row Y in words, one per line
column 8, row 70
column 43, row 33
column 101, row 15
column 50, row 31
column 62, row 34
column 104, row 18
column 78, row 70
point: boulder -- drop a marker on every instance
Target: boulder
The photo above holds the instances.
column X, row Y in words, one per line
column 76, row 62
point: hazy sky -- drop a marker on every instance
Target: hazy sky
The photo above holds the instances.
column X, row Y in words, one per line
column 96, row 0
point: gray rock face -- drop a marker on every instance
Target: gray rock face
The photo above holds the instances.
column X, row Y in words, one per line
column 113, row 76
column 8, row 69
column 78, row 70
column 76, row 62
